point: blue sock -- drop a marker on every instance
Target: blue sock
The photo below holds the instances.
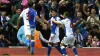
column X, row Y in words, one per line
column 49, row 50
column 59, row 49
column 32, row 47
column 75, row 51
column 27, row 42
column 63, row 49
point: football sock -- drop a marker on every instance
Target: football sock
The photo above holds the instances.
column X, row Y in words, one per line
column 49, row 50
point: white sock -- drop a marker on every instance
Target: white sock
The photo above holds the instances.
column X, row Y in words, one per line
column 66, row 55
column 63, row 54
column 76, row 55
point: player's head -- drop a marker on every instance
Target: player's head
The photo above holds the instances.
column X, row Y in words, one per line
column 54, row 13
column 79, row 14
column 66, row 14
column 30, row 3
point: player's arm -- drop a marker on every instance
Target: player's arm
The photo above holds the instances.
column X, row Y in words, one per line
column 19, row 22
column 59, row 23
column 56, row 22
column 39, row 20
column 45, row 21
column 19, row 19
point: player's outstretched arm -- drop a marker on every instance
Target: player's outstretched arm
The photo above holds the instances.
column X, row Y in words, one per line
column 41, row 22
column 56, row 22
column 45, row 21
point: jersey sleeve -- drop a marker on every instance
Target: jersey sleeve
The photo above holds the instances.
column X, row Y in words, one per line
column 62, row 21
column 59, row 20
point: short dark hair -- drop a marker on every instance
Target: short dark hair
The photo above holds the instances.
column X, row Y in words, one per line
column 30, row 3
column 66, row 14
column 54, row 10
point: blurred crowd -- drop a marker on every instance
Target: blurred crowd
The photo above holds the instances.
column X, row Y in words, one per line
column 84, row 15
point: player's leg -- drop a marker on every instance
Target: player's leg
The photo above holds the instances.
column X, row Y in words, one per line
column 50, row 44
column 27, row 34
column 49, row 48
column 74, row 50
column 72, row 40
column 56, row 40
column 63, row 49
column 32, row 46
column 57, row 47
column 62, row 45
column 32, row 40
column 27, row 42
